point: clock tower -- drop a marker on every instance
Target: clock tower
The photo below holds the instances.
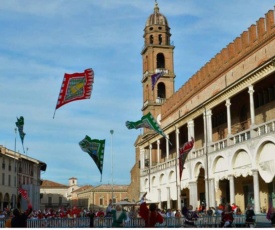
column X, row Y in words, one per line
column 157, row 55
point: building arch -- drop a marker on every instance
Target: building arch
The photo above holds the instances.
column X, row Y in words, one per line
column 6, row 200
column 162, row 179
column 161, row 90
column 197, row 169
column 151, row 39
column 219, row 170
column 241, row 163
column 146, row 183
column 185, row 178
column 171, row 177
column 160, row 61
column 266, row 161
column 154, row 181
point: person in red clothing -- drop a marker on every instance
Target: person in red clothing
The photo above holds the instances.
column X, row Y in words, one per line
column 20, row 219
column 100, row 213
column 227, row 217
column 150, row 215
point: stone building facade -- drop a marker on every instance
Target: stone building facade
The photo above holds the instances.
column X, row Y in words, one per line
column 98, row 197
column 228, row 107
column 55, row 195
column 19, row 171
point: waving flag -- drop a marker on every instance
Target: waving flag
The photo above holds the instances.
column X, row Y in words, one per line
column 23, row 192
column 76, row 86
column 183, row 152
column 20, row 126
column 147, row 121
column 155, row 77
column 95, row 148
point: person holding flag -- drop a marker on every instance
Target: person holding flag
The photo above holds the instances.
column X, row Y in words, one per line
column 150, row 215
column 19, row 219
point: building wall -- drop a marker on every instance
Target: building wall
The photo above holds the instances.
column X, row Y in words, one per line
column 229, row 162
column 18, row 170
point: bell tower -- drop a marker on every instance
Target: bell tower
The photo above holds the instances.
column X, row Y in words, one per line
column 157, row 55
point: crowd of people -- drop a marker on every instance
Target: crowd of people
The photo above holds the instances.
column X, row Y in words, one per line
column 150, row 213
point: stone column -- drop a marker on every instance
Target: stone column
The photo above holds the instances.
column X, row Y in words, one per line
column 251, row 100
column 150, row 155
column 167, row 147
column 232, row 189
column 177, row 171
column 168, row 198
column 158, row 153
column 191, row 130
column 193, row 194
column 209, row 125
column 177, row 141
column 207, row 191
column 142, row 158
column 256, row 191
column 178, row 198
column 227, row 104
column 212, row 191
column 159, row 198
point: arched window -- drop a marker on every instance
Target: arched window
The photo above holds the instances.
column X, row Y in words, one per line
column 151, row 39
column 161, row 90
column 160, row 39
column 160, row 60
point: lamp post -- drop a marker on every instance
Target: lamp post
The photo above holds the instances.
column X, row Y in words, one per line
column 112, row 132
column 206, row 155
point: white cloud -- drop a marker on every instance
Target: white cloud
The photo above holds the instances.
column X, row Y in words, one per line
column 40, row 42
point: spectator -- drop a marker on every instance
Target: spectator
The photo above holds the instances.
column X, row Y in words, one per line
column 109, row 208
column 170, row 213
column 151, row 215
column 9, row 217
column 133, row 213
column 202, row 207
column 234, row 206
column 100, row 213
column 91, row 215
column 189, row 215
column 272, row 216
column 119, row 216
column 238, row 211
column 20, row 219
column 227, row 217
column 249, row 216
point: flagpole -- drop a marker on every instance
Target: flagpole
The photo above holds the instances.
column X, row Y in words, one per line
column 206, row 155
column 14, row 161
column 112, row 132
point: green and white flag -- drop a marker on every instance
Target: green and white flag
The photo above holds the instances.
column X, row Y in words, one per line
column 147, row 121
column 20, row 126
column 95, row 148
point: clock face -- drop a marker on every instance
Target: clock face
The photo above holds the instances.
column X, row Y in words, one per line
column 159, row 119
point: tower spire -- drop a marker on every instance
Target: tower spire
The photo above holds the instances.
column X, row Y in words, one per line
column 156, row 9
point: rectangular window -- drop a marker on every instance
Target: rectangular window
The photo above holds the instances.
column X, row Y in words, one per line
column 100, row 201
column 49, row 200
column 3, row 178
column 9, row 180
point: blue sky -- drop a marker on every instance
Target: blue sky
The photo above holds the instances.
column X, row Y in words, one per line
column 42, row 40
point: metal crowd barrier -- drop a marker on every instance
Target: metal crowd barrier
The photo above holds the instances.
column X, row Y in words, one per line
column 171, row 222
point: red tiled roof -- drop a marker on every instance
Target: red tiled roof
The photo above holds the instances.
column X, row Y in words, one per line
column 52, row 184
column 85, row 187
column 108, row 187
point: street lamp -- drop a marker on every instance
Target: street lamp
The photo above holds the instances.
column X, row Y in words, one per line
column 112, row 132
